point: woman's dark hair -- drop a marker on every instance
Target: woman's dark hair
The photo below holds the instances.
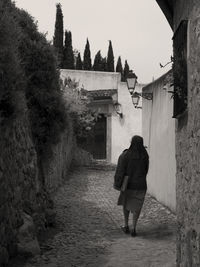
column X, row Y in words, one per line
column 137, row 142
column 137, row 146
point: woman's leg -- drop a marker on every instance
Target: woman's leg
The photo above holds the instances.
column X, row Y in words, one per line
column 135, row 219
column 136, row 213
column 126, row 216
column 125, row 228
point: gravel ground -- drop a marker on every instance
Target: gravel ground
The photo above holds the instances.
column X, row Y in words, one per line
column 88, row 227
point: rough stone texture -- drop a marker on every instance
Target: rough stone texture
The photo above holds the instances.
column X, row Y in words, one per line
column 19, row 184
column 188, row 145
column 27, row 243
column 56, row 164
column 88, row 227
column 22, row 188
column 82, row 157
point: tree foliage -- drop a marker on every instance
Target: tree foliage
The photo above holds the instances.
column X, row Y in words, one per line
column 47, row 109
column 78, row 107
column 87, row 65
column 104, row 64
column 119, row 67
column 68, row 55
column 11, row 74
column 110, row 58
column 79, row 63
column 98, row 62
column 29, row 65
column 58, row 34
column 126, row 70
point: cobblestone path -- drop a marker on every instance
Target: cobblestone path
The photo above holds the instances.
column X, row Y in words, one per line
column 88, row 234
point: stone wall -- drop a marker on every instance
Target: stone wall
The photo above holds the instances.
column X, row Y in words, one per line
column 158, row 130
column 188, row 144
column 56, row 164
column 26, row 207
column 18, row 178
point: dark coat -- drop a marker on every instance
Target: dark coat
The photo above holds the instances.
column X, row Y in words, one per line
column 134, row 164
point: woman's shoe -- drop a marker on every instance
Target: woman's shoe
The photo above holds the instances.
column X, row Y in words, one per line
column 125, row 229
column 133, row 233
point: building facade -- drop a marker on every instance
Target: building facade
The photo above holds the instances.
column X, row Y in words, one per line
column 184, row 18
column 113, row 131
column 158, row 130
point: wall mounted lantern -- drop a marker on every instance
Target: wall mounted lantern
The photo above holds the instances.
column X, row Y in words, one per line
column 131, row 83
column 118, row 109
column 135, row 99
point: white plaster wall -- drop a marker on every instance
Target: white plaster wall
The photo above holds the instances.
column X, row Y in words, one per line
column 131, row 123
column 159, row 135
column 92, row 80
column 120, row 130
column 146, row 122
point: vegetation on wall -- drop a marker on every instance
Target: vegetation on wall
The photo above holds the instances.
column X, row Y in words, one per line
column 28, row 64
column 11, row 74
column 29, row 96
column 77, row 103
column 45, row 103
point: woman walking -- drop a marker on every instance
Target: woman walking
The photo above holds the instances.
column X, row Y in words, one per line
column 134, row 163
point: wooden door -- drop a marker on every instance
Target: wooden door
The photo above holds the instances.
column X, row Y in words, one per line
column 99, row 142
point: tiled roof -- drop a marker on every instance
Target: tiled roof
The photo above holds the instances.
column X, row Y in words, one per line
column 102, row 94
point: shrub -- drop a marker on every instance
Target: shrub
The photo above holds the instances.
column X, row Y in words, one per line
column 77, row 104
column 11, row 74
column 44, row 98
column 28, row 64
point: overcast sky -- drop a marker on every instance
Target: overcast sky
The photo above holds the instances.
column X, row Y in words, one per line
column 137, row 28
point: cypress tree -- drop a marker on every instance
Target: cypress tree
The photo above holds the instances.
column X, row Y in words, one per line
column 87, row 65
column 110, row 58
column 104, row 64
column 68, row 55
column 119, row 67
column 58, row 35
column 126, row 70
column 79, row 63
column 97, row 66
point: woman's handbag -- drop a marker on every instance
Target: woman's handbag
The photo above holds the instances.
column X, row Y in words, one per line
column 124, row 183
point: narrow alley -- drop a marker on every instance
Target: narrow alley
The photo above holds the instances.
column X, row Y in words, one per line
column 88, row 227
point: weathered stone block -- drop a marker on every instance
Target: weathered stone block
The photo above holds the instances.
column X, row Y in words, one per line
column 4, row 257
column 188, row 145
column 27, row 242
column 21, row 188
column 50, row 216
column 39, row 221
